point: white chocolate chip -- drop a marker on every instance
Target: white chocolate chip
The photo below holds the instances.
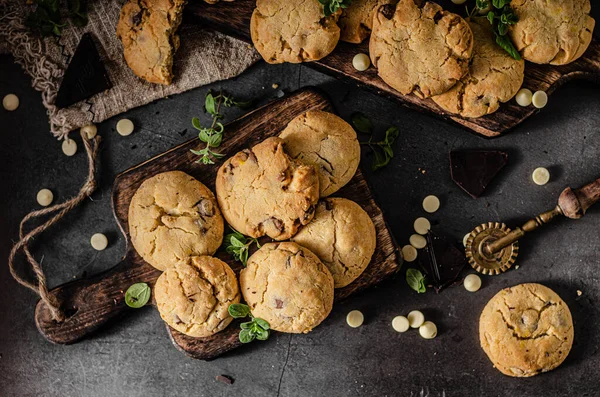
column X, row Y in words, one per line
column 10, row 102
column 422, row 225
column 524, row 97
column 466, row 238
column 45, row 197
column 428, row 330
column 472, row 283
column 417, row 241
column 99, row 241
column 90, row 131
column 125, row 127
column 540, row 176
column 400, row 324
column 415, row 319
column 69, row 147
column 539, row 99
column 431, row 204
column 459, row 2
column 355, row 318
column 361, row 62
column 409, row 253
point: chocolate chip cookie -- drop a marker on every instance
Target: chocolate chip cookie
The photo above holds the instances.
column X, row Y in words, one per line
column 293, row 31
column 424, row 51
column 494, row 77
column 193, row 295
column 288, row 286
column 526, row 330
column 262, row 191
column 173, row 216
column 327, row 142
column 148, row 30
column 555, row 32
column 343, row 236
column 356, row 21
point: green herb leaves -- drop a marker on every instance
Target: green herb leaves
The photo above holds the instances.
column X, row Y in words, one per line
column 46, row 19
column 238, row 245
column 501, row 16
column 137, row 295
column 416, row 280
column 361, row 123
column 382, row 150
column 213, row 135
column 331, row 6
column 256, row 328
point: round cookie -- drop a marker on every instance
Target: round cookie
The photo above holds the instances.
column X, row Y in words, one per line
column 555, row 32
column 424, row 51
column 494, row 76
column 356, row 21
column 343, row 236
column 293, row 31
column 173, row 216
column 262, row 191
column 194, row 294
column 288, row 286
column 526, row 330
column 327, row 142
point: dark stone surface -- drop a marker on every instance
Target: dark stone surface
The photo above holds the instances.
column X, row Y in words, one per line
column 134, row 357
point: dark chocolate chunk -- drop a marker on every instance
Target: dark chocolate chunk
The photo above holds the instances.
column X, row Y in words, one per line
column 85, row 76
column 225, row 379
column 443, row 262
column 473, row 170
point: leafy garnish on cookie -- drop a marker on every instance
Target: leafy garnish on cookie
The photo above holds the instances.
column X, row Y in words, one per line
column 256, row 328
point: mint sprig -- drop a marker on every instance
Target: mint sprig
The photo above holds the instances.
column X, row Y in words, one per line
column 238, row 245
column 256, row 328
column 331, row 6
column 382, row 150
column 501, row 17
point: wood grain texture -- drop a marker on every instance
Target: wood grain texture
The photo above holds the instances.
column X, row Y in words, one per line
column 94, row 301
column 234, row 19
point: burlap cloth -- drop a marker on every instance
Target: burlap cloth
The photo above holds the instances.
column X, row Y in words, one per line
column 204, row 57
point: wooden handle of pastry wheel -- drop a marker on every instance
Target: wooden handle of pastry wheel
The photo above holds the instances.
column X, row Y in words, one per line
column 91, row 302
column 574, row 203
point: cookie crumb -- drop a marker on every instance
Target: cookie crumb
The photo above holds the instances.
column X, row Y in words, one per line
column 579, row 293
column 225, row 379
column 275, row 86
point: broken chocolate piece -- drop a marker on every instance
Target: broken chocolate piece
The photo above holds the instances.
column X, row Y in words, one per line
column 473, row 170
column 443, row 262
column 85, row 76
column 225, row 379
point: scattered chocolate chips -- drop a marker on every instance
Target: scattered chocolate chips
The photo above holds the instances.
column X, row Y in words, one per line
column 443, row 262
column 473, row 170
column 225, row 379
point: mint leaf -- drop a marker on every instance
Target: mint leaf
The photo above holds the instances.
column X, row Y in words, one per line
column 238, row 310
column 416, row 280
column 137, row 295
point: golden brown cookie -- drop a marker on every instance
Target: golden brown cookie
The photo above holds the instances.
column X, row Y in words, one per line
column 288, row 286
column 424, row 51
column 343, row 236
column 356, row 21
column 173, row 216
column 262, row 191
column 147, row 29
column 494, row 77
column 293, row 31
column 552, row 31
column 194, row 294
column 327, row 142
column 526, row 330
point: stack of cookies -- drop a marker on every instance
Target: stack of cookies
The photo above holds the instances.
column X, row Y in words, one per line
column 279, row 188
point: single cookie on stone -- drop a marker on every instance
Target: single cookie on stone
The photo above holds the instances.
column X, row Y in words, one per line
column 293, row 31
column 148, row 30
column 494, row 77
column 526, row 330
column 343, row 236
column 356, row 21
column 173, row 216
column 555, row 32
column 424, row 51
column 193, row 295
column 288, row 286
column 327, row 142
column 262, row 191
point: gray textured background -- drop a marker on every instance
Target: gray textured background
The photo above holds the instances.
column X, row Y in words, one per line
column 133, row 356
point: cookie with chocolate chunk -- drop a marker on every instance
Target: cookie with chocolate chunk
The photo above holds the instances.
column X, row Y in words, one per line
column 173, row 216
column 288, row 286
column 356, row 21
column 193, row 295
column 262, row 191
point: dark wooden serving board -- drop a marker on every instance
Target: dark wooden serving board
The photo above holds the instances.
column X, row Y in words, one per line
column 92, row 302
column 233, row 18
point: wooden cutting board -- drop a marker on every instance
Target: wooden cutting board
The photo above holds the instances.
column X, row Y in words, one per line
column 233, row 18
column 90, row 303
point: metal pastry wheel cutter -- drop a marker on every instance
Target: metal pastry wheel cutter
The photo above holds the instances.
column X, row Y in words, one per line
column 492, row 247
